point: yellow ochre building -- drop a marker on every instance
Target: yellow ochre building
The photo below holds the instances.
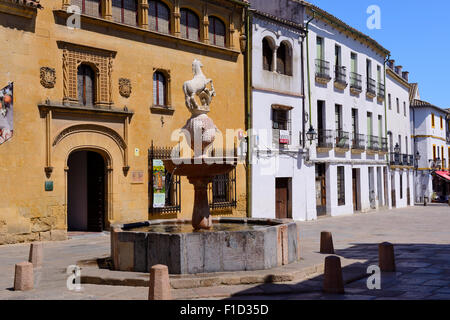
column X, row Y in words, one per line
column 90, row 102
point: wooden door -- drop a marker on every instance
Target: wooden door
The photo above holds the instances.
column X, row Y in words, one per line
column 282, row 198
column 96, row 191
column 321, row 190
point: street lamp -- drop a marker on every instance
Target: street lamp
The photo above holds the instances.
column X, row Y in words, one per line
column 397, row 148
column 311, row 134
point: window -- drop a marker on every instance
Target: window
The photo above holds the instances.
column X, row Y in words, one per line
column 319, row 43
column 190, row 26
column 369, row 69
column 398, row 105
column 432, row 120
column 338, row 117
column 337, row 56
column 354, row 121
column 401, row 185
column 216, row 31
column 281, row 127
column 159, row 89
column 164, row 188
column 158, row 16
column 125, row 11
column 389, row 101
column 267, row 55
column 442, row 123
column 88, row 7
column 284, row 60
column 404, row 108
column 434, row 152
column 354, row 63
column 86, row 85
column 222, row 191
column 341, row 186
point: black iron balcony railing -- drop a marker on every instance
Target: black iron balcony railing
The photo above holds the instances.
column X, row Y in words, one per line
column 448, row 137
column 325, row 138
column 384, row 144
column 355, row 81
column 342, row 139
column 410, row 160
column 373, row 143
column 371, row 86
column 340, row 75
column 381, row 90
column 359, row 141
column 404, row 159
column 394, row 158
column 322, row 69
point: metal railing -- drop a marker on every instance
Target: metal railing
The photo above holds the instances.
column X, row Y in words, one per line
column 355, row 81
column 373, row 143
column 410, row 160
column 394, row 158
column 325, row 138
column 371, row 86
column 340, row 74
column 384, row 144
column 404, row 159
column 322, row 69
column 342, row 139
column 358, row 141
column 381, row 90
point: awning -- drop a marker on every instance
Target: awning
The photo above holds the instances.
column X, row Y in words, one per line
column 443, row 175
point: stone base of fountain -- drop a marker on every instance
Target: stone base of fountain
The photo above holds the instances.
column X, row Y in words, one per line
column 233, row 244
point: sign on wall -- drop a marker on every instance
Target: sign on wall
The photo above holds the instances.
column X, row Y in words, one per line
column 6, row 113
column 159, row 184
column 284, row 136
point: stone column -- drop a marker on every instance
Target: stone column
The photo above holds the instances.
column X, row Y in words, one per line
column 231, row 32
column 65, row 4
column 176, row 19
column 201, row 218
column 143, row 14
column 205, row 25
column 107, row 9
column 274, row 59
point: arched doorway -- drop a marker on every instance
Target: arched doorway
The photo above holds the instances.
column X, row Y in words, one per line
column 86, row 185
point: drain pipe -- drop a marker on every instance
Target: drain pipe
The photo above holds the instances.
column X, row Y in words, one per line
column 248, row 93
column 303, row 35
column 385, row 104
column 307, row 66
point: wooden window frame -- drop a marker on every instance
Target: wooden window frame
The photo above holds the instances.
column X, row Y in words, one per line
column 187, row 23
column 159, row 73
column 211, row 19
column 432, row 121
column 157, row 16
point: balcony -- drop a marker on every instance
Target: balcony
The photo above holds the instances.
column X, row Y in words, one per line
column 355, row 83
column 322, row 71
column 373, row 145
column 394, row 159
column 340, row 77
column 381, row 92
column 398, row 159
column 383, row 146
column 448, row 137
column 371, row 91
column 324, row 140
column 411, row 160
column 404, row 159
column 358, row 143
column 342, row 141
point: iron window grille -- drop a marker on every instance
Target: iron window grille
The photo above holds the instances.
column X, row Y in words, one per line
column 172, row 182
column 325, row 138
column 322, row 69
column 222, row 191
column 355, row 81
column 281, row 120
column 384, row 144
column 340, row 74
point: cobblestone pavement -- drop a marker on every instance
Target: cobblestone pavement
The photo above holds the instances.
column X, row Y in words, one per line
column 420, row 235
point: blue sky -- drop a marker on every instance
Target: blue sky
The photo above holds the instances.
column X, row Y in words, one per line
column 416, row 32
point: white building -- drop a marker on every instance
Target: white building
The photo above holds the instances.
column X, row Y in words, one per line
column 401, row 152
column 431, row 136
column 278, row 170
column 348, row 115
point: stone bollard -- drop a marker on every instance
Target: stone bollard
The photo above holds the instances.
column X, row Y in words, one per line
column 36, row 254
column 326, row 242
column 386, row 258
column 159, row 288
column 23, row 277
column 333, row 281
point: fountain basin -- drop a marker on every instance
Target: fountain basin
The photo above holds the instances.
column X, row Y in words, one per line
column 253, row 244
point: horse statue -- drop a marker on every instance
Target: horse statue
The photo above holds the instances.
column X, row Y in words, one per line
column 198, row 86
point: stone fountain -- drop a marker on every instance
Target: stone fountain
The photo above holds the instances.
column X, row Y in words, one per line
column 210, row 245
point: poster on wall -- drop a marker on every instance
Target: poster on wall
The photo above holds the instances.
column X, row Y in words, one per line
column 6, row 113
column 159, row 184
